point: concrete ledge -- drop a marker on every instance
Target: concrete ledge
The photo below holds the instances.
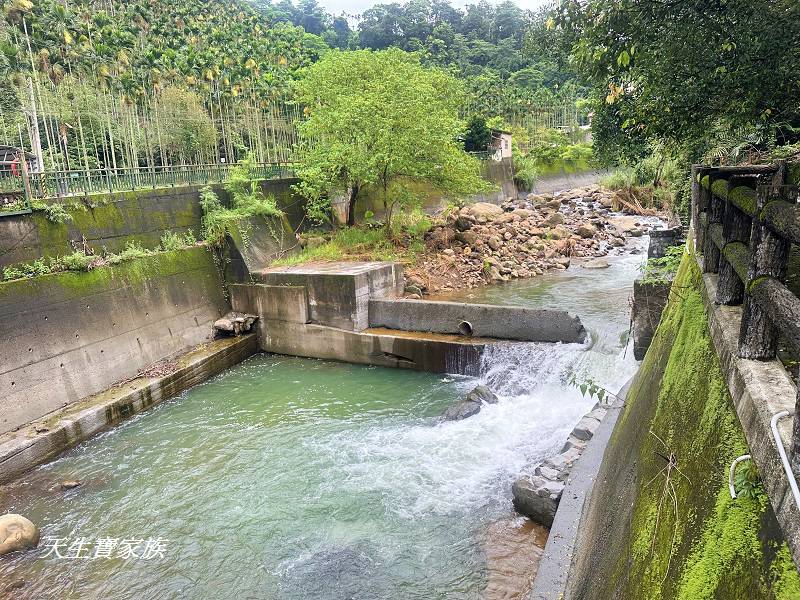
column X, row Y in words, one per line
column 554, row 567
column 24, row 449
column 339, row 292
column 759, row 389
column 272, row 302
column 382, row 347
column 504, row 322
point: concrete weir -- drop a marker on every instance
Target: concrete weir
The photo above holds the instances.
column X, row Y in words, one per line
column 483, row 320
column 350, row 312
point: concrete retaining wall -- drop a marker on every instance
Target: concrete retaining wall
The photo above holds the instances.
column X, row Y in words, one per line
column 505, row 322
column 22, row 450
column 112, row 220
column 68, row 335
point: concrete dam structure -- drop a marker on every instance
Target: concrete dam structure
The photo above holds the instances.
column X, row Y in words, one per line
column 71, row 338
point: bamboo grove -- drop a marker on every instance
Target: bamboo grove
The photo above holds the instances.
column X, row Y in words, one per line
column 111, row 85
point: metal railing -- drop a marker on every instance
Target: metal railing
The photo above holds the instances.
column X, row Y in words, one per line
column 59, row 184
column 747, row 219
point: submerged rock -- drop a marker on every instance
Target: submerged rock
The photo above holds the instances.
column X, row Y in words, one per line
column 336, row 573
column 70, row 484
column 597, row 263
column 17, row 533
column 471, row 404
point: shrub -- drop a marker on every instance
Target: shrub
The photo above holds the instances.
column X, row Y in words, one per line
column 248, row 201
column 77, row 261
column 172, row 241
column 56, row 213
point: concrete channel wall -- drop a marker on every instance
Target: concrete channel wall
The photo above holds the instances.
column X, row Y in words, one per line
column 111, row 221
column 29, row 446
column 68, row 335
column 693, row 400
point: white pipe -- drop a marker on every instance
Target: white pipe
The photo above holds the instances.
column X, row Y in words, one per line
column 735, row 462
column 784, row 459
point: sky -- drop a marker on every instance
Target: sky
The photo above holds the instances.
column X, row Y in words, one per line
column 358, row 6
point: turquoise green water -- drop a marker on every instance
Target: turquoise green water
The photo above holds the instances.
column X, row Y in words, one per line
column 290, row 478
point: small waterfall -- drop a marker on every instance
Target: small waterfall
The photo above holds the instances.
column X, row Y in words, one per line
column 517, row 369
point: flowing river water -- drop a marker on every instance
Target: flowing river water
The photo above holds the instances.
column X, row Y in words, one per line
column 291, row 478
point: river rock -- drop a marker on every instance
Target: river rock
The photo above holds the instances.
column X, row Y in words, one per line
column 471, row 404
column 463, row 223
column 585, row 428
column 597, row 263
column 335, row 573
column 482, row 393
column 537, row 498
column 17, row 533
column 485, row 210
column 468, row 237
column 586, row 230
column 70, row 484
column 555, row 219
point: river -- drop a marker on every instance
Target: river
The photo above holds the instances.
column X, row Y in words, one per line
column 292, row 478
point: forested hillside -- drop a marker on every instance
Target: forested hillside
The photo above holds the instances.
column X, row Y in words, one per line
column 509, row 57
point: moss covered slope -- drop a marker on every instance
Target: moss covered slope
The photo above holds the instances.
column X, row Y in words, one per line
column 662, row 524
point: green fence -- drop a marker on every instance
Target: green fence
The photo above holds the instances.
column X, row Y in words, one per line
column 59, row 184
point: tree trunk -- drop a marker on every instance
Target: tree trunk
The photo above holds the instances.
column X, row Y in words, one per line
column 351, row 206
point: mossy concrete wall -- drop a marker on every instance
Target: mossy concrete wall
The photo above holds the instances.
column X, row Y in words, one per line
column 68, row 335
column 654, row 532
column 110, row 221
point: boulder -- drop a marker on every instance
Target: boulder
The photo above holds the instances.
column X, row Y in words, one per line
column 17, row 533
column 485, row 210
column 585, row 428
column 463, row 223
column 235, row 323
column 471, row 404
column 537, row 498
column 482, row 393
column 597, row 263
column 560, row 233
column 586, row 230
column 462, row 410
column 467, row 237
column 555, row 219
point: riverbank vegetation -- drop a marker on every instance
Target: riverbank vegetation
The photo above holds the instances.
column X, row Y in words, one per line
column 719, row 87
column 80, row 261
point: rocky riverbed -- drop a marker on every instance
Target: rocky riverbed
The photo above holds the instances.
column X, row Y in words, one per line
column 484, row 243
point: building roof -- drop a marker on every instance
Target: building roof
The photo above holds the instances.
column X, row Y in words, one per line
column 9, row 153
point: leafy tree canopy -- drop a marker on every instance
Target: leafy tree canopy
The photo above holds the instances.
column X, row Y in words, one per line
column 381, row 119
column 684, row 72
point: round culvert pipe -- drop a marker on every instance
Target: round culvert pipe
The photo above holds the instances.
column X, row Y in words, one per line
column 465, row 328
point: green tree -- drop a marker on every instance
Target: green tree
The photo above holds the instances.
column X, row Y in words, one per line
column 186, row 127
column 381, row 119
column 675, row 72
